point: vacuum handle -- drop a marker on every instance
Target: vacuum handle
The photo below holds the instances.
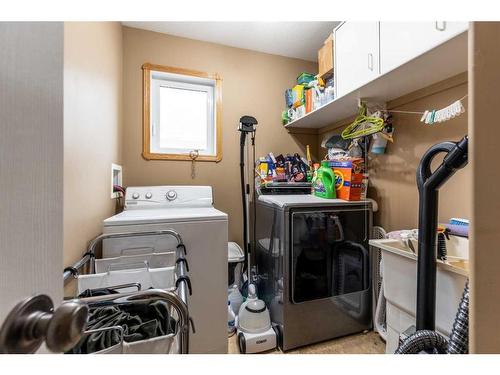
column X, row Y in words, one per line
column 424, row 168
column 456, row 158
column 429, row 183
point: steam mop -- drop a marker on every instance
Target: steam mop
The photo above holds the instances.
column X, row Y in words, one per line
column 254, row 331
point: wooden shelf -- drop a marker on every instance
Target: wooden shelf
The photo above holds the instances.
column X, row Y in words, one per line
column 442, row 62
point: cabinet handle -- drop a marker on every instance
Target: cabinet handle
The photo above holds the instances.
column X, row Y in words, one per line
column 441, row 25
column 370, row 61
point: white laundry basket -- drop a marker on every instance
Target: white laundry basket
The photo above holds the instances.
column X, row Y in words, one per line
column 157, row 278
column 162, row 276
column 154, row 260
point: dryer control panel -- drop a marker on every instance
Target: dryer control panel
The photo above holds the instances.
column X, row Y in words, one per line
column 143, row 197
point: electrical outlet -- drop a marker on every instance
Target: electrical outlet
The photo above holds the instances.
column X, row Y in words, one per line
column 116, row 179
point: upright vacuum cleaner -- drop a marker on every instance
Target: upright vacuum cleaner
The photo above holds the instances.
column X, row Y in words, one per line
column 426, row 339
column 255, row 332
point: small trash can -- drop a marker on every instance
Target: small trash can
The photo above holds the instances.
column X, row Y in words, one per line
column 235, row 259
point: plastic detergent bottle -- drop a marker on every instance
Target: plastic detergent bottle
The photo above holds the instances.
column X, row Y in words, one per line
column 324, row 182
column 231, row 319
column 235, row 298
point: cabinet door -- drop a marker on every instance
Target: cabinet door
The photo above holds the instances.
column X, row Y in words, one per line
column 403, row 41
column 356, row 55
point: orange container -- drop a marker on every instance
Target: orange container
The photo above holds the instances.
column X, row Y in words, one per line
column 309, row 100
column 348, row 182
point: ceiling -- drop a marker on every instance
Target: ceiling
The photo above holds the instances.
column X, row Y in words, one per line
column 292, row 39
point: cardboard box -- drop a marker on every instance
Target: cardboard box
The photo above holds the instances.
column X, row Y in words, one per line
column 298, row 95
column 325, row 58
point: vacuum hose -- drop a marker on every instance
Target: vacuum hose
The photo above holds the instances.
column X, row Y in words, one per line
column 421, row 341
column 431, row 341
column 459, row 338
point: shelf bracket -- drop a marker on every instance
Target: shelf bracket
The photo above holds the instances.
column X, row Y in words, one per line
column 373, row 104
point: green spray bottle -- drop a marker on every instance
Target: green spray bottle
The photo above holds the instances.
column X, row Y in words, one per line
column 323, row 182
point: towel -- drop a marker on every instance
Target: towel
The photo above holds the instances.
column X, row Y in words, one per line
column 140, row 321
column 97, row 292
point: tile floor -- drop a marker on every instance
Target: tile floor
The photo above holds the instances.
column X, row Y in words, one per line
column 361, row 343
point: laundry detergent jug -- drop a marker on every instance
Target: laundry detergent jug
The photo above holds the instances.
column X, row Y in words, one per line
column 324, row 181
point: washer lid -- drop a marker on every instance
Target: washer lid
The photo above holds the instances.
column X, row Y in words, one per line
column 168, row 215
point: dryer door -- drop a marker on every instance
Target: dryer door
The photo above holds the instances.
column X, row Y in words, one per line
column 328, row 254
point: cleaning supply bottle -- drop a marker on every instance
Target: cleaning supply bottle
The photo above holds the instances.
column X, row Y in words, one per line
column 310, row 169
column 314, row 176
column 231, row 319
column 324, row 182
column 235, row 298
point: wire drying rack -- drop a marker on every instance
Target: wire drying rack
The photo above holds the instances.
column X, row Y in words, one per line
column 174, row 290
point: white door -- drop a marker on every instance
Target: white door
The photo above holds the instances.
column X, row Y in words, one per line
column 31, row 162
column 403, row 41
column 356, row 54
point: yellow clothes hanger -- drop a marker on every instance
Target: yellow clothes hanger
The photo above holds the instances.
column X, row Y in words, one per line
column 363, row 125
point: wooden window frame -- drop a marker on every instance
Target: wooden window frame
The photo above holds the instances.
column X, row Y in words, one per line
column 147, row 69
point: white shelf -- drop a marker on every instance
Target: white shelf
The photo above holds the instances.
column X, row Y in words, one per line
column 438, row 64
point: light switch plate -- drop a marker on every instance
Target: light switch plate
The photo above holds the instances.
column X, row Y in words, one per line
column 116, row 179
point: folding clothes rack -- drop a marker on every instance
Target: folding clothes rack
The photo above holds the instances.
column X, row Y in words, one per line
column 175, row 296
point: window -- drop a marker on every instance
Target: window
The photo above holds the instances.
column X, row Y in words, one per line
column 181, row 114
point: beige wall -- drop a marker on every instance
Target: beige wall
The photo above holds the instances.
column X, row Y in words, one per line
column 392, row 175
column 253, row 84
column 92, row 128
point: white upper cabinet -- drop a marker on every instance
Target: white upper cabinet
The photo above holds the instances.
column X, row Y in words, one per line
column 403, row 41
column 356, row 55
column 382, row 61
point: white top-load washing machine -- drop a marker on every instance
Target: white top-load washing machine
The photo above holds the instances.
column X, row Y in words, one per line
column 189, row 211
